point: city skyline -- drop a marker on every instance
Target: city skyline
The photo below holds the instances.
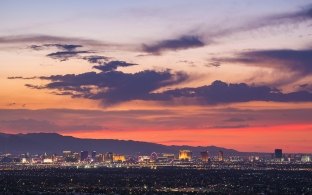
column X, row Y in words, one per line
column 233, row 74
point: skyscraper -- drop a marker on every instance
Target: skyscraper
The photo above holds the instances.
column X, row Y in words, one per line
column 108, row 157
column 93, row 155
column 67, row 153
column 220, row 156
column 84, row 155
column 278, row 153
column 204, row 156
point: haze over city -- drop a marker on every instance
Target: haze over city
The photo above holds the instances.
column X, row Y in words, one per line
column 234, row 74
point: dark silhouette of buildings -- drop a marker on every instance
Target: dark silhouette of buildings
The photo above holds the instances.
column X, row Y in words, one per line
column 84, row 155
column 278, row 153
column 93, row 155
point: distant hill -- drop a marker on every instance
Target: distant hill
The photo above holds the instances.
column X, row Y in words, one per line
column 56, row 143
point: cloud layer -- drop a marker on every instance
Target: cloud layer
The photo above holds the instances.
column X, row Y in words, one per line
column 114, row 87
column 220, row 92
column 33, row 125
column 293, row 60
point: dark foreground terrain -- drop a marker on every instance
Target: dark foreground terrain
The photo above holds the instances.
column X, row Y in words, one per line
column 150, row 181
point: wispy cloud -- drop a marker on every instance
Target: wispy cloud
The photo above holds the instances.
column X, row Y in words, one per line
column 184, row 42
column 34, row 125
column 96, row 59
column 222, row 93
column 295, row 63
column 65, row 55
column 210, row 36
column 299, row 16
column 14, row 121
column 114, row 87
column 113, row 65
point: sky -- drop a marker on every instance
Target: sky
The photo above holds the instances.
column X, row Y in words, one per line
column 229, row 73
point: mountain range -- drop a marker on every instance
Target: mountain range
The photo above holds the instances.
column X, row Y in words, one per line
column 53, row 143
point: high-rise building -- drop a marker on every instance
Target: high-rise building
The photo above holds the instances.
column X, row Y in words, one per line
column 204, row 156
column 278, row 153
column 305, row 158
column 108, row 157
column 84, row 155
column 185, row 155
column 220, row 156
column 76, row 156
column 100, row 158
column 67, row 153
column 93, row 155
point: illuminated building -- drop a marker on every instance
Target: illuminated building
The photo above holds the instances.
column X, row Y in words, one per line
column 204, row 156
column 84, row 155
column 67, row 153
column 220, row 156
column 119, row 158
column 108, row 157
column 185, row 155
column 24, row 160
column 278, row 153
column 100, row 157
column 168, row 156
column 144, row 159
column 47, row 160
column 153, row 157
column 305, row 158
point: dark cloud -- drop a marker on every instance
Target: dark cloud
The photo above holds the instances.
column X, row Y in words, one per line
column 115, row 87
column 215, row 64
column 66, row 50
column 219, row 93
column 95, row 59
column 37, row 42
column 33, row 86
column 33, row 125
column 20, row 77
column 306, row 86
column 112, row 86
column 65, row 47
column 42, row 39
column 298, row 61
column 113, row 65
column 65, row 55
column 15, row 77
column 184, row 42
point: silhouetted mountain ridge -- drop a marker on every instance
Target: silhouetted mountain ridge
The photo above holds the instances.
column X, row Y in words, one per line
column 56, row 143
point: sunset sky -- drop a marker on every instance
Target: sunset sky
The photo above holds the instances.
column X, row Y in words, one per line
column 230, row 73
